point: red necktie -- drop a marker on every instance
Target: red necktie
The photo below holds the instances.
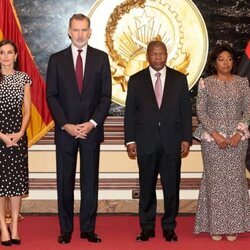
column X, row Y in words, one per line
column 158, row 89
column 79, row 70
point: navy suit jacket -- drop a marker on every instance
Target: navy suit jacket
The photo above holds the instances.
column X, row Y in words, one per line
column 144, row 120
column 67, row 105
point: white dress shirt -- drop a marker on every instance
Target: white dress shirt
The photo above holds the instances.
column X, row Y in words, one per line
column 83, row 55
column 154, row 78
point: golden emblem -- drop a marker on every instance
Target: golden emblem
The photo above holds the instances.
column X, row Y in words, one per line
column 124, row 29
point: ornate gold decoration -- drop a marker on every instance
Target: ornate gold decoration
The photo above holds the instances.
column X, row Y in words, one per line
column 131, row 24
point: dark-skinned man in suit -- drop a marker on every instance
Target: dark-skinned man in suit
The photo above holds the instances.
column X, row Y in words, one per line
column 79, row 97
column 158, row 132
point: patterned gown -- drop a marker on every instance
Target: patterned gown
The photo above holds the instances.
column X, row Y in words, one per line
column 223, row 204
column 13, row 160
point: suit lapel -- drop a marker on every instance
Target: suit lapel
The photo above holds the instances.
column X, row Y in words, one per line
column 167, row 85
column 87, row 71
column 149, row 86
column 69, row 68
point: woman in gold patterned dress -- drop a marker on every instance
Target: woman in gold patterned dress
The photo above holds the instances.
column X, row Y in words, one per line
column 223, row 110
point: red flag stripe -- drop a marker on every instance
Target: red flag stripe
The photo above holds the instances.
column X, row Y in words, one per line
column 248, row 50
column 11, row 31
column 41, row 120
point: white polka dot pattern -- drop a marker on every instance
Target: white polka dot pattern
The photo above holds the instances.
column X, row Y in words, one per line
column 13, row 160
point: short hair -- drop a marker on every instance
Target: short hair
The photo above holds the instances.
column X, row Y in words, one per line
column 79, row 17
column 213, row 55
column 156, row 43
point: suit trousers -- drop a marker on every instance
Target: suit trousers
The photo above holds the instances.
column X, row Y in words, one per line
column 168, row 166
column 66, row 157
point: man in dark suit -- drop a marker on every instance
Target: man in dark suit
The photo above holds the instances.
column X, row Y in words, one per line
column 158, row 132
column 79, row 97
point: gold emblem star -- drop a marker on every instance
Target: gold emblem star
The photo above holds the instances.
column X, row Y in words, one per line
column 144, row 21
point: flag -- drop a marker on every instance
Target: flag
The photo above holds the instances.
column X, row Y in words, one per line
column 40, row 121
column 244, row 66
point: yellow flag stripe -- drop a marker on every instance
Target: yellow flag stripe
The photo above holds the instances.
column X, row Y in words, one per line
column 37, row 128
column 14, row 12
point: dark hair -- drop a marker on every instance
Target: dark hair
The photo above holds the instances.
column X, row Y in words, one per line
column 5, row 42
column 213, row 55
column 156, row 43
column 79, row 17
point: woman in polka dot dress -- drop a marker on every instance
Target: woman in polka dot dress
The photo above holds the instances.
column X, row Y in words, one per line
column 223, row 109
column 15, row 105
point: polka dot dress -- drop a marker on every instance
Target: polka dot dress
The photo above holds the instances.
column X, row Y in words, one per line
column 13, row 160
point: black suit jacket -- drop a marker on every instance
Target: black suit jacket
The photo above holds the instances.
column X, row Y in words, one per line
column 144, row 120
column 67, row 105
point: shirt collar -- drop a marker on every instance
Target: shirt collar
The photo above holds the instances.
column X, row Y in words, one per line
column 75, row 49
column 162, row 71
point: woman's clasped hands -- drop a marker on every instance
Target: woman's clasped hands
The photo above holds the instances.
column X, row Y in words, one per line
column 11, row 140
column 224, row 142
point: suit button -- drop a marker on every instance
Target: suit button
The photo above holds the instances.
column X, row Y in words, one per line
column 159, row 124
